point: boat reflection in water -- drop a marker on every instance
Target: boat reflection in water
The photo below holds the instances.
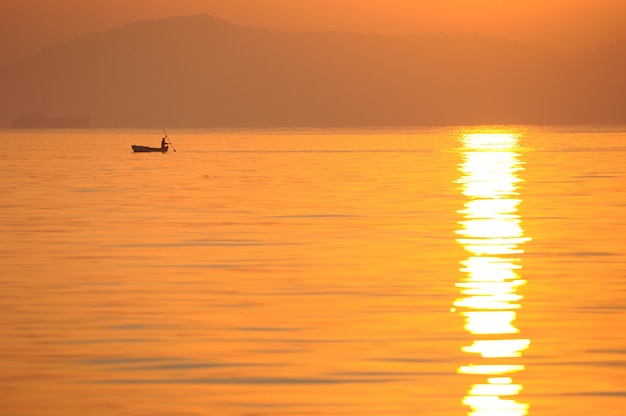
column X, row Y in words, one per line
column 489, row 300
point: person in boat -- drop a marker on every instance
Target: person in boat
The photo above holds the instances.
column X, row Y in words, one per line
column 163, row 143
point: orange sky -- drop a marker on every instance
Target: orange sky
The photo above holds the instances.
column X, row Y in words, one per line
column 27, row 25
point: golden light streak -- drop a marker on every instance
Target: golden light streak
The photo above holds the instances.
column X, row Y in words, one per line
column 491, row 231
column 500, row 380
column 490, row 322
column 495, row 390
column 498, row 348
column 494, row 405
column 490, row 369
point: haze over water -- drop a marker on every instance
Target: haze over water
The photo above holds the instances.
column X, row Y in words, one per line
column 313, row 272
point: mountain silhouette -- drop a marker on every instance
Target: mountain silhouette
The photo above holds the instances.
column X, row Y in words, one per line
column 200, row 71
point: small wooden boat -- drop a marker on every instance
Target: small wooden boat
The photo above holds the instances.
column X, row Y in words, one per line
column 163, row 149
column 137, row 149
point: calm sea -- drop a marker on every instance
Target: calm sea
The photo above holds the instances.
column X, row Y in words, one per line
column 477, row 271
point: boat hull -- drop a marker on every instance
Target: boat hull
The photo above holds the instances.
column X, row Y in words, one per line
column 146, row 149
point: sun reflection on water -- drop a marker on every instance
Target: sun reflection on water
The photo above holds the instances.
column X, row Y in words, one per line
column 491, row 232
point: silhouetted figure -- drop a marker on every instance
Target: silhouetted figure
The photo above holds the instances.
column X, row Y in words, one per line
column 163, row 143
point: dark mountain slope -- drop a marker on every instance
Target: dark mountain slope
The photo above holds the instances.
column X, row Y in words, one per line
column 203, row 72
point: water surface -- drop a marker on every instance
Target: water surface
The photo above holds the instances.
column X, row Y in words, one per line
column 294, row 272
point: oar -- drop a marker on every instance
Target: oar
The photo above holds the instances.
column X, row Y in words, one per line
column 168, row 140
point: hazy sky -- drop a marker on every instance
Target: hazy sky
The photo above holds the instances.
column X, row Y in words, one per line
column 27, row 25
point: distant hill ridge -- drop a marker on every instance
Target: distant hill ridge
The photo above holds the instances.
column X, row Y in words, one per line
column 200, row 71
